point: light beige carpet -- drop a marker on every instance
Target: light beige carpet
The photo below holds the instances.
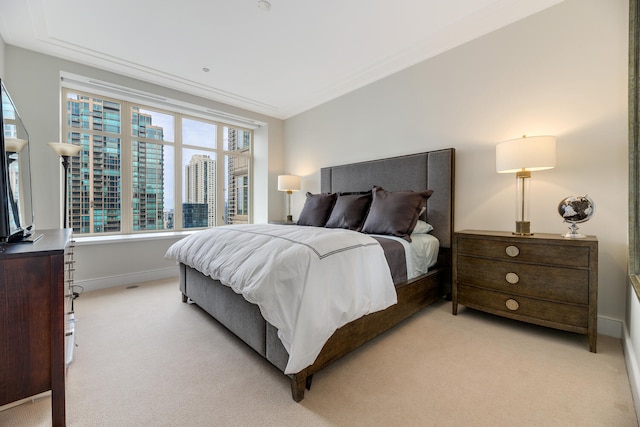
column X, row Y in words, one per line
column 144, row 358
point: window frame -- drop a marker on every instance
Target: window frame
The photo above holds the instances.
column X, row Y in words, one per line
column 634, row 146
column 179, row 112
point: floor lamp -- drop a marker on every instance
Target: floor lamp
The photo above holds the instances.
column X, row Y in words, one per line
column 65, row 151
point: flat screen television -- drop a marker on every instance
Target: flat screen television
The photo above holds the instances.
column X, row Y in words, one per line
column 16, row 208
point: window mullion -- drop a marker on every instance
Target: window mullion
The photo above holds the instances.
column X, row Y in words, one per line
column 220, row 181
column 126, row 172
column 177, row 173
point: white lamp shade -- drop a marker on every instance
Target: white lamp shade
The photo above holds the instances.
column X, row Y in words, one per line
column 533, row 153
column 64, row 149
column 288, row 183
column 14, row 145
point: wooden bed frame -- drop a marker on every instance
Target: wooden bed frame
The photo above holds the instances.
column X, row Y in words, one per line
column 431, row 170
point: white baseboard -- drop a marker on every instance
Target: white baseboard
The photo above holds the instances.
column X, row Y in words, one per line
column 633, row 371
column 610, row 327
column 126, row 279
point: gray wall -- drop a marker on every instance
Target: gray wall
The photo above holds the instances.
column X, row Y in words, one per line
column 561, row 72
column 33, row 80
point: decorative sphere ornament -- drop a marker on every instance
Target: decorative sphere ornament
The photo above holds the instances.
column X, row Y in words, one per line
column 574, row 210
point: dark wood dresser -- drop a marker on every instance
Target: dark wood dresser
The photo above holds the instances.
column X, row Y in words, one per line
column 32, row 317
column 544, row 279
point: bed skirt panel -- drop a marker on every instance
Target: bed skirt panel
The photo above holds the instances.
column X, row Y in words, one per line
column 276, row 354
column 227, row 307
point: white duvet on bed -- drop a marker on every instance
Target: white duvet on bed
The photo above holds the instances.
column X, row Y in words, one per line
column 307, row 281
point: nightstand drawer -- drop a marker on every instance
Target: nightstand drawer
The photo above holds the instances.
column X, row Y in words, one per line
column 549, row 283
column 537, row 252
column 529, row 309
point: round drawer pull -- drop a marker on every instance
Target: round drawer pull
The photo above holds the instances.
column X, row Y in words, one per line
column 512, row 304
column 512, row 278
column 512, row 251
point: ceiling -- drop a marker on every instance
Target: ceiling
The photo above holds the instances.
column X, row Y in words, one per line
column 280, row 62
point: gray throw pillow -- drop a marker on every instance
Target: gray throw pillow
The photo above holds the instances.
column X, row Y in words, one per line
column 395, row 213
column 316, row 209
column 350, row 211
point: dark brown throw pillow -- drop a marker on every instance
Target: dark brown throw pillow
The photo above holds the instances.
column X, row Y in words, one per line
column 395, row 213
column 350, row 211
column 316, row 209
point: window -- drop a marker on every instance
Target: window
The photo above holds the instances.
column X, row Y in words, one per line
column 145, row 169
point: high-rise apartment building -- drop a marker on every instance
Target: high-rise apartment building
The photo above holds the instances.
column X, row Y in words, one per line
column 95, row 184
column 148, row 173
column 200, row 188
column 195, row 215
column 237, row 171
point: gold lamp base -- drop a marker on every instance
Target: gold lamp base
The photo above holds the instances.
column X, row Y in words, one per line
column 523, row 228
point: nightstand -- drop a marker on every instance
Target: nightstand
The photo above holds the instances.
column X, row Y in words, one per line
column 282, row 223
column 543, row 279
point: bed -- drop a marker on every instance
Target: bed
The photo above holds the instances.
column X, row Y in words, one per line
column 432, row 170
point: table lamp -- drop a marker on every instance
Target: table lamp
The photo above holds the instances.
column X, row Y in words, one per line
column 523, row 156
column 289, row 184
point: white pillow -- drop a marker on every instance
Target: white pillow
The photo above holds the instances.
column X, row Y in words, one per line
column 422, row 227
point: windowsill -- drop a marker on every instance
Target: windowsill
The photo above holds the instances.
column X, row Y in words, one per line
column 121, row 238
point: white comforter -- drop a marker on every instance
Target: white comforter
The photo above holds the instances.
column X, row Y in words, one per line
column 307, row 281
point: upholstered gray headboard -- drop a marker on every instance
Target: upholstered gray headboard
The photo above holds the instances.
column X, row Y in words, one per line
column 433, row 170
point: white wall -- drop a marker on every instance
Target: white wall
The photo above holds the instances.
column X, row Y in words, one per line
column 561, row 72
column 33, row 80
column 2, row 48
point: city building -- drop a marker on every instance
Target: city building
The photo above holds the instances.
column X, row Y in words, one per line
column 237, row 175
column 200, row 188
column 94, row 175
